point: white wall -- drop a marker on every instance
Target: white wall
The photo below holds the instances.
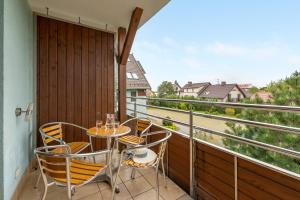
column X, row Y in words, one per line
column 138, row 101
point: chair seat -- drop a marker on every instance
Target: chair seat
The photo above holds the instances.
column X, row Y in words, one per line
column 132, row 139
column 74, row 146
column 81, row 172
column 131, row 163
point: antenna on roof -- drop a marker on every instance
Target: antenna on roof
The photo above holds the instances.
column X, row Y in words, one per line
column 47, row 11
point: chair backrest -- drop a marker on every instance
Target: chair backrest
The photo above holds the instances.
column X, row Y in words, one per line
column 52, row 133
column 161, row 143
column 53, row 165
column 142, row 124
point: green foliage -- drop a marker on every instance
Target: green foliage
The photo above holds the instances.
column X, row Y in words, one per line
column 165, row 89
column 253, row 90
column 229, row 111
column 285, row 92
column 169, row 124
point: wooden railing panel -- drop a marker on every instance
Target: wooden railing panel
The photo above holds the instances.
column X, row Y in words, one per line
column 177, row 155
column 214, row 172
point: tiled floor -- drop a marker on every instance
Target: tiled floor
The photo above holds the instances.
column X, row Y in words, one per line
column 140, row 188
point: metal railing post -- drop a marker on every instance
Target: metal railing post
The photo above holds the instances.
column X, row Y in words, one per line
column 135, row 113
column 191, row 152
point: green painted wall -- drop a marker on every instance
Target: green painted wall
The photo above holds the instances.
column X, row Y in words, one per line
column 18, row 90
column 1, row 101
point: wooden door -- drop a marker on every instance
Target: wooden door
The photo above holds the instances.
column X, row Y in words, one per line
column 75, row 75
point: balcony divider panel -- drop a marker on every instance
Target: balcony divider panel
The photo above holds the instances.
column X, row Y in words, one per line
column 75, row 75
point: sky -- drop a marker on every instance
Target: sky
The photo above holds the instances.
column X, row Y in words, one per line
column 248, row 41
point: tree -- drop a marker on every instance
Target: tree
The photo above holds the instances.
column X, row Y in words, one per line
column 285, row 92
column 165, row 89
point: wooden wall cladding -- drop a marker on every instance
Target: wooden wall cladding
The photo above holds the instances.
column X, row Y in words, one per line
column 75, row 75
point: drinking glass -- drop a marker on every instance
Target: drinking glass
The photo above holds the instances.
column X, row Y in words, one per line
column 99, row 124
column 117, row 125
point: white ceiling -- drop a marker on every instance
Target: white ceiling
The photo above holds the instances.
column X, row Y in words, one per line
column 103, row 14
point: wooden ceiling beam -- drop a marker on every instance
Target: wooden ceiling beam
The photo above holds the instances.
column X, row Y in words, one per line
column 133, row 26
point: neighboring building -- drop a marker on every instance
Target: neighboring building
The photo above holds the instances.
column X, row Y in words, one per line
column 177, row 87
column 223, row 92
column 137, row 84
column 193, row 89
column 265, row 96
column 246, row 88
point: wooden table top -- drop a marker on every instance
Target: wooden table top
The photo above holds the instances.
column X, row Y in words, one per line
column 109, row 132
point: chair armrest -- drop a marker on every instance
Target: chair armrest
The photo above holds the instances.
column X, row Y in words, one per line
column 89, row 154
column 74, row 125
column 128, row 120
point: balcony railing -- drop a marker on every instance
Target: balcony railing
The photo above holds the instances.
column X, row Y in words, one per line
column 237, row 176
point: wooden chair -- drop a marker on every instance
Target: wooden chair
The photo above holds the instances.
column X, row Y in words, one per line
column 65, row 169
column 126, row 160
column 52, row 133
column 142, row 126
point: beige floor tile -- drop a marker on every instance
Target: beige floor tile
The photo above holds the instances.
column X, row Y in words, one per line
column 96, row 196
column 147, row 171
column 137, row 186
column 86, row 190
column 105, row 185
column 57, row 195
column 151, row 178
column 123, row 195
column 125, row 174
column 149, row 195
column 185, row 197
column 172, row 191
column 30, row 193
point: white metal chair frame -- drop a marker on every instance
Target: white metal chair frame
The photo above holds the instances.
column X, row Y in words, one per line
column 60, row 141
column 143, row 133
column 68, row 157
column 155, row 164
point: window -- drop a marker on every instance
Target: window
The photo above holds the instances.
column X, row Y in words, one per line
column 239, row 97
column 133, row 94
column 134, row 75
column 129, row 75
column 229, row 97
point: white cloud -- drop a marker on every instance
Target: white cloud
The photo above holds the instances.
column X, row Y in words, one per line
column 259, row 52
column 227, row 49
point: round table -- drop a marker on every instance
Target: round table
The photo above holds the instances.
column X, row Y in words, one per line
column 108, row 133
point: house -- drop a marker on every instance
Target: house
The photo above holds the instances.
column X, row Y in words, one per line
column 137, row 84
column 177, row 87
column 246, row 86
column 246, row 89
column 193, row 89
column 223, row 92
column 265, row 96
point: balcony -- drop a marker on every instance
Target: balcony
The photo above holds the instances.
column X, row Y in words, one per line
column 216, row 172
column 141, row 188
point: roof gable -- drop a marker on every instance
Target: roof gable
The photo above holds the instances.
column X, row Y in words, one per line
column 138, row 79
column 219, row 91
